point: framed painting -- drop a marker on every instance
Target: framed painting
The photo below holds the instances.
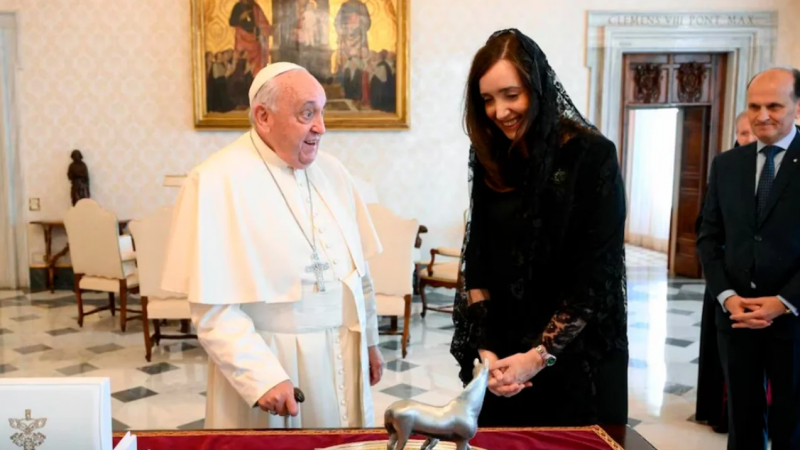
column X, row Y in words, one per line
column 357, row 50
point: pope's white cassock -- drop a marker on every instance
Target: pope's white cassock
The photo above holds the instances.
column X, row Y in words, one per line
column 239, row 253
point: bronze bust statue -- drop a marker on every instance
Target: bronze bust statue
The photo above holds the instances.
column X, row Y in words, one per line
column 78, row 174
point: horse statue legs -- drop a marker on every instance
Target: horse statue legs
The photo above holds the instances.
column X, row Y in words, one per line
column 429, row 444
column 463, row 445
column 396, row 441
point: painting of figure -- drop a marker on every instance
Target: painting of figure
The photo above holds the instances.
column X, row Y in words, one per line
column 357, row 50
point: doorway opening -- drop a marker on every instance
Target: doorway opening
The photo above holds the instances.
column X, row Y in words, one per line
column 652, row 140
column 672, row 117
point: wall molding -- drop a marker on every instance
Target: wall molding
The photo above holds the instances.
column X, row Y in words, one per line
column 748, row 37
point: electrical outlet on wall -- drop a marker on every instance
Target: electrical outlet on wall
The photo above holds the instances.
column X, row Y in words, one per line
column 33, row 204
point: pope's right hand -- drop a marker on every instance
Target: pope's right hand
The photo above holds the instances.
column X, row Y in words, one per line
column 280, row 400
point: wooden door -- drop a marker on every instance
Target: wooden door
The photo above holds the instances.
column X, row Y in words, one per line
column 695, row 83
column 695, row 134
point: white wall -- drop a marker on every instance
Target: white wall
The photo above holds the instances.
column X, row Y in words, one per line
column 113, row 78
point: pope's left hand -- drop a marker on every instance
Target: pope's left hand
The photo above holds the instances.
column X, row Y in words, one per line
column 762, row 308
column 375, row 365
column 520, row 368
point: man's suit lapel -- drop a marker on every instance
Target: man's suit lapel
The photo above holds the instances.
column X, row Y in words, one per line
column 787, row 171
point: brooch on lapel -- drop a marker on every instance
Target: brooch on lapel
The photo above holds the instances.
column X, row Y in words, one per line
column 559, row 177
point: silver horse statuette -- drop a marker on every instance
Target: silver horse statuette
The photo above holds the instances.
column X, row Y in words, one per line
column 456, row 422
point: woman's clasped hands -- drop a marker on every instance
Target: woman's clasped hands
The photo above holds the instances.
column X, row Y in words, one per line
column 509, row 376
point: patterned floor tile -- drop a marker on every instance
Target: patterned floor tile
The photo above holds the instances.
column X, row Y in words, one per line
column 62, row 331
column 678, row 342
column 26, row 318
column 676, row 389
column 404, row 391
column 399, row 365
column 680, row 312
column 196, row 425
column 390, row 345
column 77, row 369
column 133, row 394
column 7, row 368
column 36, row 348
column 179, row 347
column 116, row 425
column 105, row 348
column 5, row 331
column 161, row 367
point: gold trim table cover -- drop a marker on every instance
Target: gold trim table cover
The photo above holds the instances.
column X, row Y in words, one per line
column 576, row 438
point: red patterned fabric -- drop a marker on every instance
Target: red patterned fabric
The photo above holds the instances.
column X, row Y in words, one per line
column 588, row 438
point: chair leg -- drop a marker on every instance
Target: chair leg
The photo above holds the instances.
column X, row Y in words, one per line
column 148, row 344
column 406, row 324
column 393, row 324
column 79, row 297
column 424, row 299
column 157, row 326
column 186, row 327
column 123, row 304
column 112, row 304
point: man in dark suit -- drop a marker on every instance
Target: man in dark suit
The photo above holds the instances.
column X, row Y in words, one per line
column 749, row 245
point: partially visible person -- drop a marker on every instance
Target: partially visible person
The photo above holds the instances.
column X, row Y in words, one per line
column 544, row 269
column 744, row 133
column 749, row 245
column 711, row 406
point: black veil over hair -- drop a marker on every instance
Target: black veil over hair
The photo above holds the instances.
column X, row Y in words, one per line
column 555, row 116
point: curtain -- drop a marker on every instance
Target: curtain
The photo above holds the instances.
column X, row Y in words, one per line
column 650, row 174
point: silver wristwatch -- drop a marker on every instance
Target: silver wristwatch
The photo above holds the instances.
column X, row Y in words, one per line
column 549, row 359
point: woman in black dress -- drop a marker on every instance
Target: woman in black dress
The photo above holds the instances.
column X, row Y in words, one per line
column 543, row 265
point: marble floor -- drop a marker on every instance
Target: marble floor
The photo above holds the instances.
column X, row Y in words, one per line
column 39, row 337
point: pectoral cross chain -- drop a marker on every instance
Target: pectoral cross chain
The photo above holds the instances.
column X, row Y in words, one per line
column 318, row 267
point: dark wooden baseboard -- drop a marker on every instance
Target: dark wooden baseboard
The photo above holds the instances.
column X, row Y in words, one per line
column 64, row 279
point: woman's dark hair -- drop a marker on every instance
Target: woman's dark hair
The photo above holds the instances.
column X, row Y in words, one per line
column 489, row 141
column 543, row 123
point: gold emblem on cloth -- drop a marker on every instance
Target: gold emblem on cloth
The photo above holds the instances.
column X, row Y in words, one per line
column 27, row 437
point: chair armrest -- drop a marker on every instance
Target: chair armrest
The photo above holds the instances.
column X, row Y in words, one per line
column 453, row 252
column 422, row 230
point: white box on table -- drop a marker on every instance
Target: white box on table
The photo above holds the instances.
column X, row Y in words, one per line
column 62, row 413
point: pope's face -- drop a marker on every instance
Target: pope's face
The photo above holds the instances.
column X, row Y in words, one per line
column 294, row 129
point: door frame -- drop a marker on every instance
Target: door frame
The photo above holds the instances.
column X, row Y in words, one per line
column 748, row 37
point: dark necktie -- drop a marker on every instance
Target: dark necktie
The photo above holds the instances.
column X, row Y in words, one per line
column 766, row 178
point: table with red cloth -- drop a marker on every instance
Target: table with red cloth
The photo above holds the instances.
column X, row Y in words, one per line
column 580, row 438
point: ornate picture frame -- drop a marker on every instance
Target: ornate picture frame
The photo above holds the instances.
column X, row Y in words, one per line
column 357, row 49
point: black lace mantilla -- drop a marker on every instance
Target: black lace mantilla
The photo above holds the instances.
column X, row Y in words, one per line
column 570, row 261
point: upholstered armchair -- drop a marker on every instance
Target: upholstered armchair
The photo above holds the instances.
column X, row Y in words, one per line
column 392, row 270
column 150, row 236
column 441, row 272
column 102, row 259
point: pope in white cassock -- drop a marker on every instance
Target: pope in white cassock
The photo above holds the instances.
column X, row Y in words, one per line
column 270, row 241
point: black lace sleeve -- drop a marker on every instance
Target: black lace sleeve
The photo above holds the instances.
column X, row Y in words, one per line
column 598, row 267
